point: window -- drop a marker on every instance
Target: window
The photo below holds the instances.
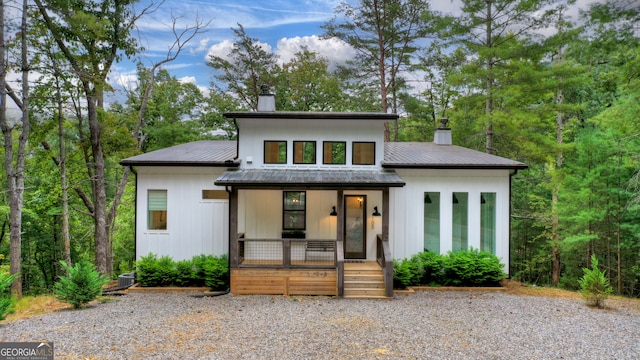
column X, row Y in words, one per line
column 294, row 210
column 335, row 152
column 157, row 209
column 460, row 221
column 364, row 153
column 275, row 152
column 488, row 222
column 304, row 152
column 215, row 195
column 432, row 222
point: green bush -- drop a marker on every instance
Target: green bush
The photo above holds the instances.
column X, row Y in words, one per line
column 82, row 284
column 406, row 273
column 201, row 270
column 472, row 268
column 594, row 285
column 432, row 266
column 7, row 301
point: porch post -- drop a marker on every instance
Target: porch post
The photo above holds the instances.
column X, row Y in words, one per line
column 233, row 228
column 340, row 240
column 388, row 266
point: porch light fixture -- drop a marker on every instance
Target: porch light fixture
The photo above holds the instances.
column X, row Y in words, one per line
column 375, row 211
column 427, row 199
column 455, row 199
column 482, row 200
column 333, row 212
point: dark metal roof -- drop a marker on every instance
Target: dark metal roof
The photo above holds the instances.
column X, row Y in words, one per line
column 197, row 153
column 310, row 178
column 311, row 115
column 432, row 156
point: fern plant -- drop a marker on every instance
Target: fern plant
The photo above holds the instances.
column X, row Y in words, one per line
column 82, row 284
column 7, row 301
column 594, row 285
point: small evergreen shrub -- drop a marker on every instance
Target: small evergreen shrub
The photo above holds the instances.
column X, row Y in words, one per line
column 7, row 301
column 472, row 268
column 406, row 273
column 201, row 270
column 432, row 266
column 82, row 284
column 594, row 285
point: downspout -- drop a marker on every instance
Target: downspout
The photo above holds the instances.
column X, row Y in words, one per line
column 135, row 216
column 511, row 175
column 235, row 123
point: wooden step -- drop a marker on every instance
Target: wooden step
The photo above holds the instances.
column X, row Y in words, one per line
column 364, row 281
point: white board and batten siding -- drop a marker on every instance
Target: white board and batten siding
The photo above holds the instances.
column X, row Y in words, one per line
column 406, row 223
column 194, row 225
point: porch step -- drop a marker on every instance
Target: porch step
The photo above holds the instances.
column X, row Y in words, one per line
column 363, row 281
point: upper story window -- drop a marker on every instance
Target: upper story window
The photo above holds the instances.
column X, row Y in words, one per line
column 334, row 152
column 364, row 153
column 215, row 195
column 304, row 152
column 157, row 209
column 275, row 152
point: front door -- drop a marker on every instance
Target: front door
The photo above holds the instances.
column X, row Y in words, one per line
column 355, row 244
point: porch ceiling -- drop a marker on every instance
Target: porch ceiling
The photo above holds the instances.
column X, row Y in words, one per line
column 310, row 178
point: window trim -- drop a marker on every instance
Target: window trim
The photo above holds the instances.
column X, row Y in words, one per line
column 149, row 210
column 333, row 142
column 353, row 152
column 286, row 210
column 264, row 151
column 303, row 142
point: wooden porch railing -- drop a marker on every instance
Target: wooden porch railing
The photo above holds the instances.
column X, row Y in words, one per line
column 383, row 255
column 286, row 253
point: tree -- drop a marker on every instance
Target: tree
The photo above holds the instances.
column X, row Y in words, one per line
column 14, row 163
column 249, row 65
column 493, row 32
column 385, row 34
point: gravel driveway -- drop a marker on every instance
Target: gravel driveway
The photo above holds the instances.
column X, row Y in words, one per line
column 425, row 325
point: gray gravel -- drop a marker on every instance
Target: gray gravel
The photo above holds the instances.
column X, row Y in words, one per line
column 425, row 325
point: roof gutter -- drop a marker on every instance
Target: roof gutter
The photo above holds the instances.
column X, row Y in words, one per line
column 235, row 123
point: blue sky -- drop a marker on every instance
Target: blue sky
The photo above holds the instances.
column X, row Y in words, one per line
column 283, row 26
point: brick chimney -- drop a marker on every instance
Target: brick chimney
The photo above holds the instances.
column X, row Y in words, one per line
column 266, row 101
column 442, row 136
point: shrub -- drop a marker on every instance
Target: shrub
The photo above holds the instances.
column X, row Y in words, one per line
column 406, row 273
column 185, row 273
column 216, row 271
column 472, row 268
column 432, row 267
column 81, row 285
column 7, row 301
column 594, row 285
column 155, row 272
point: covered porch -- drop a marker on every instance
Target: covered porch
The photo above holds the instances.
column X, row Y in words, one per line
column 293, row 231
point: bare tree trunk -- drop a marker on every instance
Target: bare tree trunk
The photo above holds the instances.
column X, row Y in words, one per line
column 489, row 148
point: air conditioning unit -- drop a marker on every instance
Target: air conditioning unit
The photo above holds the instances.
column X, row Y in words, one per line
column 126, row 280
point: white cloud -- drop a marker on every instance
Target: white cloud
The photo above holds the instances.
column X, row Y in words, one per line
column 223, row 49
column 336, row 51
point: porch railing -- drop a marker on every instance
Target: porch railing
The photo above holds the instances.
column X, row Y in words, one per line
column 383, row 255
column 286, row 253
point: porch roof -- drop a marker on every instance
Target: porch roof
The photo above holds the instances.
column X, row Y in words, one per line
column 262, row 178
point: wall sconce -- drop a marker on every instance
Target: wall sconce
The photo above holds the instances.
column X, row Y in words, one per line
column 375, row 211
column 455, row 199
column 333, row 212
column 482, row 200
column 427, row 199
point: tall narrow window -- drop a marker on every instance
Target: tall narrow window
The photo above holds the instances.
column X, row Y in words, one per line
column 460, row 221
column 364, row 153
column 488, row 222
column 432, row 222
column 334, row 152
column 275, row 152
column 294, row 210
column 304, row 152
column 157, row 209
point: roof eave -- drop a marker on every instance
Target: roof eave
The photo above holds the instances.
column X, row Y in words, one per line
column 181, row 163
column 456, row 166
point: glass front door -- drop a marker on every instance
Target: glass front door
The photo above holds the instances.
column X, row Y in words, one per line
column 355, row 232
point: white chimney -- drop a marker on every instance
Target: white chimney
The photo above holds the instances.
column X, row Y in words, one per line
column 266, row 101
column 442, row 136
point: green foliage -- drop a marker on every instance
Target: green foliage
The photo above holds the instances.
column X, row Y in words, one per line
column 594, row 285
column 461, row 268
column 7, row 301
column 81, row 285
column 472, row 268
column 201, row 270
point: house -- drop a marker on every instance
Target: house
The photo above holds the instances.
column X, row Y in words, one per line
column 318, row 203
